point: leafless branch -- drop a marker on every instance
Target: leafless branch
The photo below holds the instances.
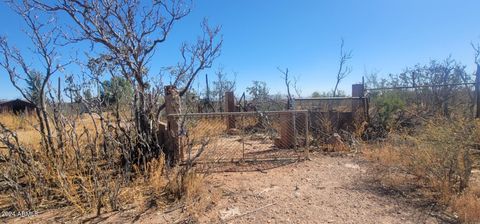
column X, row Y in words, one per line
column 343, row 69
column 287, row 84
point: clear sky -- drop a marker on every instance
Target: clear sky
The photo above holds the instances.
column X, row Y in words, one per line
column 304, row 35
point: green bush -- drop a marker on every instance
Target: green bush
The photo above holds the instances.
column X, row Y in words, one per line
column 387, row 106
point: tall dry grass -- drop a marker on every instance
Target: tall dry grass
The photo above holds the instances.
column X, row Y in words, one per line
column 24, row 124
column 467, row 205
column 436, row 162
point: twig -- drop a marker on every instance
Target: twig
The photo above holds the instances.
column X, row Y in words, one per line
column 174, row 208
column 249, row 212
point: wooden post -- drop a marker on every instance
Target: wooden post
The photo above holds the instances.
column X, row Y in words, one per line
column 286, row 131
column 230, row 107
column 172, row 106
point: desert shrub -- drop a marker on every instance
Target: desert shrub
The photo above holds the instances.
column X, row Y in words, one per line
column 78, row 173
column 386, row 113
column 388, row 104
column 86, row 170
column 437, row 160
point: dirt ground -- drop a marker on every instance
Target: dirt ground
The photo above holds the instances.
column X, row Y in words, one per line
column 326, row 189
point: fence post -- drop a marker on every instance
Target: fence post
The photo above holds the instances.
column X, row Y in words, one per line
column 294, row 123
column 307, row 135
column 230, row 107
column 287, row 132
column 172, row 106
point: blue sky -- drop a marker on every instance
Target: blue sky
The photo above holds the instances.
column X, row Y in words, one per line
column 259, row 36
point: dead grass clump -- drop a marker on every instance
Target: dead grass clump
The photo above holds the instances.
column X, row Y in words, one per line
column 467, row 206
column 156, row 178
column 183, row 183
column 186, row 187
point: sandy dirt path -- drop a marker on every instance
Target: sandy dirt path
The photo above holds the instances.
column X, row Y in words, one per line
column 324, row 190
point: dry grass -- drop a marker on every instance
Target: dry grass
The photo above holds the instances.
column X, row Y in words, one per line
column 435, row 163
column 467, row 206
column 187, row 186
column 18, row 122
column 24, row 124
column 79, row 178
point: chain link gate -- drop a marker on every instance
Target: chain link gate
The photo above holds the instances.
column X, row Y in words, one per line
column 243, row 136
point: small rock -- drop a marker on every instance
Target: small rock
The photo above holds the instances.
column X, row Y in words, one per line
column 233, row 131
column 297, row 194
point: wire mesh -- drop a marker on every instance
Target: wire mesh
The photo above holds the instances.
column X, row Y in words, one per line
column 243, row 136
column 340, row 104
column 333, row 116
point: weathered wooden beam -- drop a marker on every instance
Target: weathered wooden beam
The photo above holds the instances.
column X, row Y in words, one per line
column 173, row 106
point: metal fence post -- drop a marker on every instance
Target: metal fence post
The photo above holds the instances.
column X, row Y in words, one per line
column 243, row 137
column 294, row 122
column 307, row 135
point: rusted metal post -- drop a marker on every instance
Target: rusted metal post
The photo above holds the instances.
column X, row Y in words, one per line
column 242, row 132
column 230, row 107
column 173, row 106
column 307, row 137
column 294, row 123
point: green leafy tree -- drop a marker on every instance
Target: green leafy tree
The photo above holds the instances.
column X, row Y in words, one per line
column 261, row 98
column 258, row 91
column 116, row 90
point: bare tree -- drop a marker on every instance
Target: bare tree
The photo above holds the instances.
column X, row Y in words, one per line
column 476, row 48
column 287, row 84
column 43, row 38
column 297, row 88
column 129, row 32
column 343, row 69
column 32, row 173
column 221, row 85
column 124, row 36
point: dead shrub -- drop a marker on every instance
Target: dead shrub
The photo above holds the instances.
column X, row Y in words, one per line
column 323, row 129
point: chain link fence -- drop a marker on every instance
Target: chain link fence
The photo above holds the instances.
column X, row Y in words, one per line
column 334, row 121
column 243, row 136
